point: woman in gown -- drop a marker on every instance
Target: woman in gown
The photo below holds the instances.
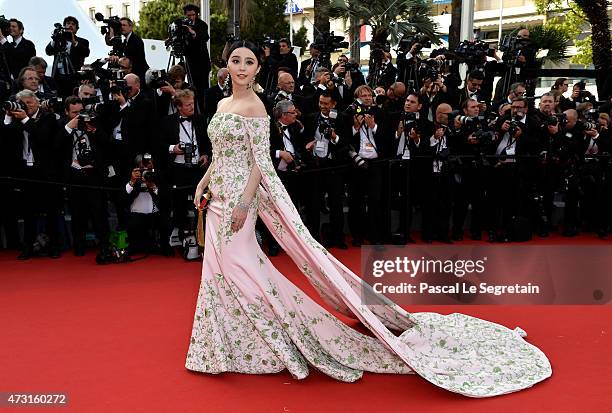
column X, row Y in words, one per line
column 249, row 318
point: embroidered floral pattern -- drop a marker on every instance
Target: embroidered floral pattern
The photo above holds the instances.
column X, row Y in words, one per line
column 249, row 318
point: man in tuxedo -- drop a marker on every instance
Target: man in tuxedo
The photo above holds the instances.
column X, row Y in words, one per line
column 309, row 67
column 82, row 156
column 196, row 51
column 286, row 91
column 46, row 84
column 164, row 96
column 187, row 149
column 370, row 140
column 133, row 48
column 286, row 151
column 19, row 51
column 131, row 133
column 471, row 90
column 31, row 134
column 214, row 94
column 69, row 56
column 326, row 133
column 28, row 79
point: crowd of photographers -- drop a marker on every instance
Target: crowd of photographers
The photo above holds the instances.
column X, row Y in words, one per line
column 410, row 137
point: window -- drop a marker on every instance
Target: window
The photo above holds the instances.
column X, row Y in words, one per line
column 126, row 10
column 109, row 11
column 92, row 13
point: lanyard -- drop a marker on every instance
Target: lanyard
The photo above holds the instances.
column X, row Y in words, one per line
column 187, row 133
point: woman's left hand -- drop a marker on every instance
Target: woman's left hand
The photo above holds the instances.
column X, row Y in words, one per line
column 239, row 215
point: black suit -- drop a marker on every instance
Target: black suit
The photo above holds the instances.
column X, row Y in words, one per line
column 85, row 203
column 135, row 51
column 181, row 174
column 212, row 96
column 35, row 197
column 77, row 54
column 305, row 76
column 76, row 58
column 18, row 56
column 330, row 181
column 198, row 57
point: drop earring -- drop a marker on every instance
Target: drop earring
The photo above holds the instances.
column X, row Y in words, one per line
column 250, row 85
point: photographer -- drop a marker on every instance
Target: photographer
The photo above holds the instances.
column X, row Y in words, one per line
column 433, row 92
column 438, row 180
column 395, row 98
column 408, row 60
column 46, row 84
column 386, row 73
column 147, row 216
column 510, row 174
column 471, row 90
column 188, row 149
column 277, row 55
column 165, row 89
column 287, row 153
column 521, row 64
column 196, row 50
column 309, row 67
column 18, row 52
column 472, row 139
column 28, row 137
column 214, row 94
column 286, row 91
column 517, row 90
column 322, row 84
column 28, row 80
column 69, row 52
column 579, row 95
column 132, row 47
column 82, row 145
column 411, row 148
column 326, row 133
column 369, row 143
column 347, row 76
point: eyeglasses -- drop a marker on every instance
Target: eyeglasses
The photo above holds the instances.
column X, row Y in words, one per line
column 566, row 84
column 291, row 113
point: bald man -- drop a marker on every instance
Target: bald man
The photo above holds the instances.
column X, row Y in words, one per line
column 286, row 90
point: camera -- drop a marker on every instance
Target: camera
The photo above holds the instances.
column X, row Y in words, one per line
column 351, row 67
column 158, row 78
column 557, row 119
column 189, row 149
column 326, row 125
column 354, row 157
column 86, row 116
column 55, row 105
column 407, row 117
column 13, row 106
column 4, row 25
column 406, row 42
column 327, row 43
column 358, row 108
column 120, row 87
column 472, row 52
column 114, row 23
column 178, row 36
column 60, row 36
column 85, row 155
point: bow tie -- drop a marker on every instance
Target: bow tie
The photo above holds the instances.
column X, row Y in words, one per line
column 188, row 119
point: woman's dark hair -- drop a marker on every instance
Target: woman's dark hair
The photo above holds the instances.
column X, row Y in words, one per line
column 257, row 51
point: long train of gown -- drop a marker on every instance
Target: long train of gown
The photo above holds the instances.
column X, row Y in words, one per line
column 251, row 319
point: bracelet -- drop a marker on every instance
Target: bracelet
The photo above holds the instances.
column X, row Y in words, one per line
column 241, row 204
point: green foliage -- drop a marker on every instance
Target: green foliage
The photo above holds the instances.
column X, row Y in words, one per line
column 552, row 38
column 570, row 19
column 267, row 18
column 155, row 17
column 388, row 18
column 300, row 39
column 218, row 23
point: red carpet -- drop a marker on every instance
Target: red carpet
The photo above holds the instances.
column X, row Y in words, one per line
column 115, row 337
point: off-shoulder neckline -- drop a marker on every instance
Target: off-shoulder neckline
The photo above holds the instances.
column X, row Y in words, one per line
column 245, row 117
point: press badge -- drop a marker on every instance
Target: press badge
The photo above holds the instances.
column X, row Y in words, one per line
column 511, row 150
column 321, row 148
column 406, row 154
column 369, row 149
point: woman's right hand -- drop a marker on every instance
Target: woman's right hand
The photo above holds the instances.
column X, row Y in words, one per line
column 198, row 195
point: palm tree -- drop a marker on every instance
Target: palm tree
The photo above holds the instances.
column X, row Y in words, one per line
column 596, row 12
column 387, row 18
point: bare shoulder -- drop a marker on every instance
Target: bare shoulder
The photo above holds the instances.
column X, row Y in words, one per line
column 223, row 102
column 254, row 109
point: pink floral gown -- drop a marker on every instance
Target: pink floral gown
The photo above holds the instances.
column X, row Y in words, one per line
column 249, row 318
